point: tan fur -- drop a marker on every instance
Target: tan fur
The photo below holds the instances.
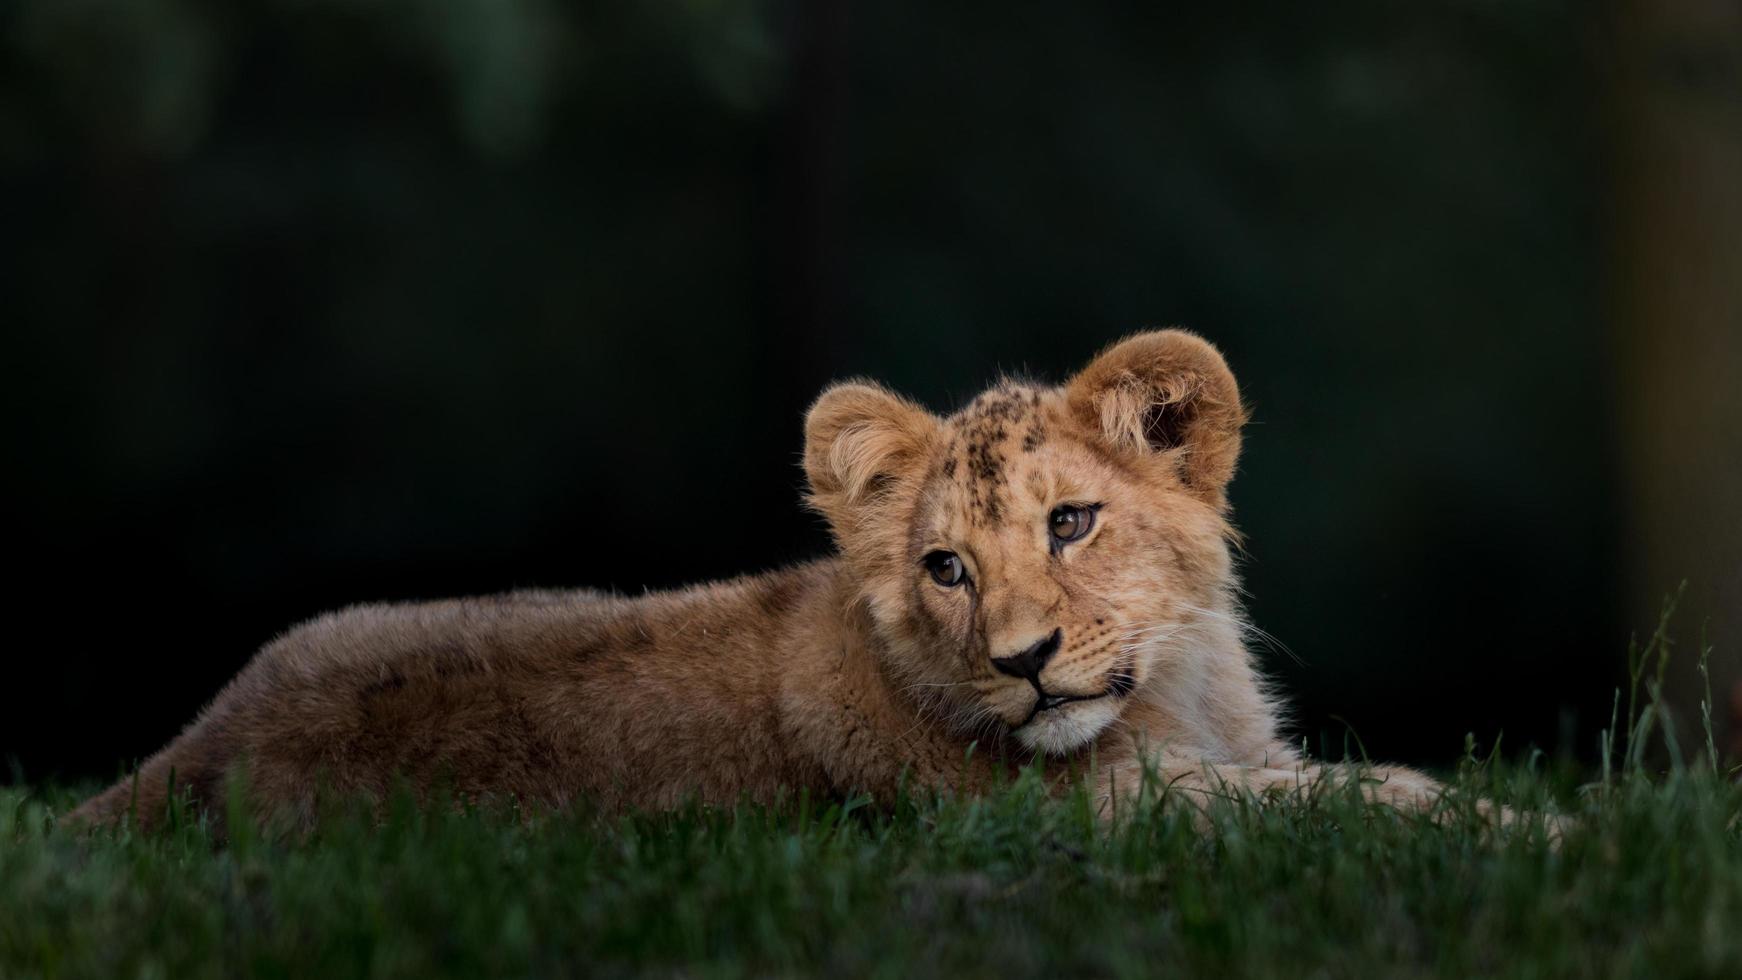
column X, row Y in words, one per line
column 837, row 676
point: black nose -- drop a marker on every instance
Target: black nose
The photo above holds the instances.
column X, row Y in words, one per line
column 1028, row 663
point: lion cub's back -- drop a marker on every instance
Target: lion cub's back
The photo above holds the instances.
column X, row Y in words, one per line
column 378, row 642
column 365, row 694
column 357, row 698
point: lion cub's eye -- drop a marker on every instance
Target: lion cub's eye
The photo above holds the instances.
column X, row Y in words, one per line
column 946, row 568
column 1068, row 522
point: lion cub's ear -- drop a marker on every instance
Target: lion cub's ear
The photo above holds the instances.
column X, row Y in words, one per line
column 1169, row 395
column 859, row 439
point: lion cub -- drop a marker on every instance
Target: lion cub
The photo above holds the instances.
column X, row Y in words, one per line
column 1045, row 573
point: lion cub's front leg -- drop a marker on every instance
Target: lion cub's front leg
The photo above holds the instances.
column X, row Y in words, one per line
column 1285, row 778
column 1292, row 779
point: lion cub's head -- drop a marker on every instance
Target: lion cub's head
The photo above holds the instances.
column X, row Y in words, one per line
column 1030, row 560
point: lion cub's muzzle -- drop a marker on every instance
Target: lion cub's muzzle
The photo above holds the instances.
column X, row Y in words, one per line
column 1028, row 664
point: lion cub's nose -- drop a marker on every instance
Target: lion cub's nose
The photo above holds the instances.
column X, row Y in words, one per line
column 1028, row 663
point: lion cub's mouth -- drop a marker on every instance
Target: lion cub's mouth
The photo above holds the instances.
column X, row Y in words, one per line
column 1049, row 702
column 1119, row 685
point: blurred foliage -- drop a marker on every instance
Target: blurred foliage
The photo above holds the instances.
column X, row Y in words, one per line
column 145, row 77
column 315, row 301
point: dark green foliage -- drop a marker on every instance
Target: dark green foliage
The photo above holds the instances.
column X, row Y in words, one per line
column 315, row 302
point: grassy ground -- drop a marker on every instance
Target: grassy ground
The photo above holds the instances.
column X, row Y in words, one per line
column 1647, row 881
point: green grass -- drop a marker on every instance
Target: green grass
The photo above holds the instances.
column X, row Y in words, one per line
column 1647, row 881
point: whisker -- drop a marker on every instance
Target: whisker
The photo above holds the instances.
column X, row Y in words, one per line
column 1247, row 627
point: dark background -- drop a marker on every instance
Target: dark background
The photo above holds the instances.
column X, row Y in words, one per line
column 308, row 303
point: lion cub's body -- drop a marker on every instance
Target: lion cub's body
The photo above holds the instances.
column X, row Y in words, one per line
column 548, row 696
column 843, row 675
column 739, row 689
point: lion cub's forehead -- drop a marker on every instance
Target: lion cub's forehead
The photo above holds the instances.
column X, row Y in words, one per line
column 990, row 445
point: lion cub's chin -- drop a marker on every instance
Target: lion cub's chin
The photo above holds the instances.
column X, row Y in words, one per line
column 1068, row 728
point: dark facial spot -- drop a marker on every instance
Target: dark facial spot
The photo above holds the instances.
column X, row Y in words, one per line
column 986, row 466
column 978, row 455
